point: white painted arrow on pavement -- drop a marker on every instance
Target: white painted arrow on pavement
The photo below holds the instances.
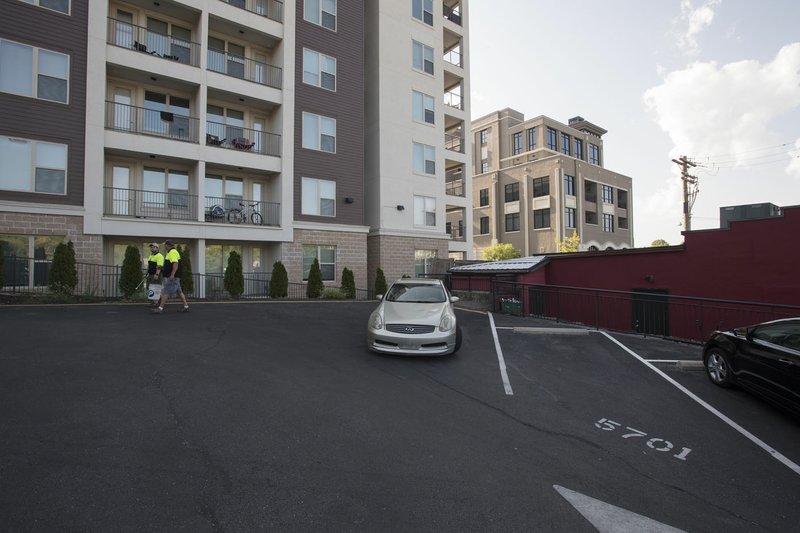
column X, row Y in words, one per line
column 608, row 518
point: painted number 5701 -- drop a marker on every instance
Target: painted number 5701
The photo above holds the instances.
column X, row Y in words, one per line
column 656, row 443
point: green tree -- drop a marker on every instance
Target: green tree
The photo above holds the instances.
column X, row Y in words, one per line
column 187, row 276
column 570, row 244
column 279, row 281
column 659, row 242
column 315, row 286
column 130, row 278
column 234, row 276
column 380, row 282
column 500, row 252
column 348, row 283
column 63, row 274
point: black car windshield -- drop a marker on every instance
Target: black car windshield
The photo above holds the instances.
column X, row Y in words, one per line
column 415, row 293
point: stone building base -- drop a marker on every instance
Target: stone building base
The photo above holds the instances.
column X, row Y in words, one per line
column 395, row 255
column 351, row 252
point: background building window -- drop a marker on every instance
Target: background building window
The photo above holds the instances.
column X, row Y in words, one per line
column 319, row 133
column 531, row 138
column 33, row 166
column 326, row 255
column 320, row 12
column 424, row 159
column 608, row 194
column 424, row 211
column 622, row 222
column 552, row 138
column 591, row 217
column 578, row 149
column 512, row 222
column 423, row 106
column 423, row 10
column 484, row 136
column 484, row 226
column 422, row 57
column 565, row 144
column 484, row 166
column 608, row 223
column 541, row 187
column 319, row 197
column 484, row 197
column 622, row 200
column 512, row 192
column 594, row 154
column 319, row 70
column 516, row 143
column 541, row 218
column 569, row 217
column 569, row 185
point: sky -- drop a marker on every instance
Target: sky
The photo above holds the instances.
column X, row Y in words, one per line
column 717, row 81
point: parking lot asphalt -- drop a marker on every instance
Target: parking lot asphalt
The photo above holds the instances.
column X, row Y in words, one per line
column 276, row 417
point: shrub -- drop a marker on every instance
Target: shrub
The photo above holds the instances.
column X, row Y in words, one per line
column 234, row 277
column 2, row 269
column 348, row 283
column 315, row 286
column 279, row 282
column 63, row 274
column 130, row 278
column 380, row 282
column 187, row 277
column 332, row 293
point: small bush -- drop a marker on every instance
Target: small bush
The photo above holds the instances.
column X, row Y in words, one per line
column 348, row 283
column 130, row 278
column 187, row 277
column 380, row 282
column 332, row 293
column 2, row 269
column 279, row 282
column 315, row 286
column 63, row 274
column 234, row 277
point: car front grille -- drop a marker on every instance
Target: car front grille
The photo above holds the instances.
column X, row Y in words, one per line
column 410, row 329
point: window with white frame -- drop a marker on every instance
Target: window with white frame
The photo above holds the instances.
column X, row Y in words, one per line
column 423, row 10
column 318, row 197
column 424, row 211
column 26, row 254
column 319, row 133
column 33, row 166
column 33, row 72
column 422, row 57
column 319, row 70
column 163, row 187
column 424, row 107
column 423, row 262
column 424, row 159
column 225, row 190
column 62, row 6
column 326, row 255
column 320, row 12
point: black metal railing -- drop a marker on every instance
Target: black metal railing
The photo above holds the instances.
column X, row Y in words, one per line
column 271, row 9
column 453, row 57
column 454, row 187
column 454, row 143
column 172, row 205
column 244, row 68
column 169, row 47
column 143, row 121
column 243, row 139
column 453, row 15
column 452, row 99
column 28, row 275
column 234, row 210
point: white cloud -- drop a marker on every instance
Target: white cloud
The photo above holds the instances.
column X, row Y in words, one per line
column 696, row 20
column 793, row 169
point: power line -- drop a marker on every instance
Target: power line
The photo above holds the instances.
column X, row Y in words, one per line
column 748, row 151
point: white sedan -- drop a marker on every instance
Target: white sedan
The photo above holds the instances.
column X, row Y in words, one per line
column 415, row 317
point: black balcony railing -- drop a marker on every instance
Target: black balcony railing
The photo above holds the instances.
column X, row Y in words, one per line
column 271, row 9
column 453, row 15
column 244, row 68
column 244, row 139
column 169, row 47
column 454, row 187
column 234, row 210
column 453, row 57
column 171, row 205
column 453, row 100
column 169, row 124
column 454, row 143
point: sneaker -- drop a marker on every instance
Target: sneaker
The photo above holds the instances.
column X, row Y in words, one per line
column 157, row 311
column 184, row 310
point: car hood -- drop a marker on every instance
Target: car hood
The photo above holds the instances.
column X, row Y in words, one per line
column 412, row 313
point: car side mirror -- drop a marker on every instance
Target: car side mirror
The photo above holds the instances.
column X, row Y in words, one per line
column 454, row 299
column 380, row 297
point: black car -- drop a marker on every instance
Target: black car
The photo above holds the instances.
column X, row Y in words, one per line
column 764, row 359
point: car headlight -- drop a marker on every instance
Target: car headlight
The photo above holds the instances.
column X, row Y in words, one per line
column 448, row 322
column 375, row 320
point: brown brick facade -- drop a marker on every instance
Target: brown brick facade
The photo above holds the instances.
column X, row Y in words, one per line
column 395, row 255
column 88, row 248
column 351, row 251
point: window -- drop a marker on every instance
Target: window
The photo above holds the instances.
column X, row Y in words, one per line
column 608, row 223
column 318, row 197
column 423, row 107
column 165, row 188
column 607, row 194
column 423, row 10
column 326, row 255
column 484, row 197
column 50, row 80
column 484, row 136
column 512, row 222
column 217, row 259
column 569, row 217
column 531, row 138
column 227, row 191
column 594, row 154
column 590, row 191
column 166, row 115
column 62, row 6
column 424, row 211
column 319, row 133
column 622, row 222
column 484, row 221
column 424, row 159
column 578, row 149
column 516, row 143
column 552, row 136
column 33, row 166
column 422, row 57
column 512, row 192
column 25, row 254
column 566, row 144
column 423, row 261
column 541, row 218
column 319, row 70
column 484, row 166
column 541, row 187
column 320, row 12
column 591, row 217
column 223, row 56
column 569, row 185
column 622, row 200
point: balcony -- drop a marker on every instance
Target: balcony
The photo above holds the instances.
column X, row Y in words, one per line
column 453, row 182
column 180, row 205
column 454, row 57
column 453, row 14
column 131, row 119
column 244, row 68
column 454, row 99
column 271, row 9
column 454, row 143
column 142, row 40
column 243, row 139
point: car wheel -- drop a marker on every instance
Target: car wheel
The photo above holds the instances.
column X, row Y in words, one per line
column 718, row 368
column 458, row 339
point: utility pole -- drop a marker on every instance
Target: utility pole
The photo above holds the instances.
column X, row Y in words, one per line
column 688, row 195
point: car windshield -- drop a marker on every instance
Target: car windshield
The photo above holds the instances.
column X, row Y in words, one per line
column 415, row 293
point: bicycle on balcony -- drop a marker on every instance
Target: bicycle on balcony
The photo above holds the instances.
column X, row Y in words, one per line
column 247, row 212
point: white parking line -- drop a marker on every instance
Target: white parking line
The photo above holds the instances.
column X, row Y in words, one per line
column 769, row 449
column 501, row 361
